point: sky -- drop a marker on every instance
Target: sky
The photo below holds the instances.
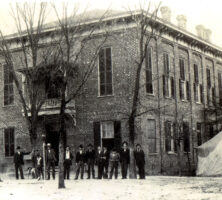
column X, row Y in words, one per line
column 206, row 12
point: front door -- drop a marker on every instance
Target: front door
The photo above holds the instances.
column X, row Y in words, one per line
column 52, row 137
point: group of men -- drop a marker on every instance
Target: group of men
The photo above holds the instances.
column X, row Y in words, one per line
column 100, row 157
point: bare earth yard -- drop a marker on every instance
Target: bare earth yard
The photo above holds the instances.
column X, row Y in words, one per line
column 154, row 187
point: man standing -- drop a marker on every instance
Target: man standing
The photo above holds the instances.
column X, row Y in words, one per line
column 50, row 160
column 140, row 160
column 18, row 161
column 67, row 162
column 90, row 159
column 80, row 161
column 124, row 159
column 39, row 166
column 100, row 162
column 114, row 162
column 106, row 161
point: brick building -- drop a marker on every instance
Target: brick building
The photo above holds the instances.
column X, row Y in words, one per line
column 181, row 77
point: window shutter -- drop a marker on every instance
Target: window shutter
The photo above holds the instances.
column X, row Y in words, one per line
column 188, row 90
column 167, row 136
column 201, row 94
column 97, row 137
column 175, row 137
column 186, row 137
column 213, row 95
column 12, row 146
column 117, row 134
column 172, row 88
column 180, row 89
column 195, row 92
column 164, row 86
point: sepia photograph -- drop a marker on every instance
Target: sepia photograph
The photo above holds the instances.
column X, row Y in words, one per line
column 111, row 100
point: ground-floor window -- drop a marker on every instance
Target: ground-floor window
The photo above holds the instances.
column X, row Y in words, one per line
column 107, row 134
column 151, row 131
column 9, row 141
column 186, row 137
column 170, row 137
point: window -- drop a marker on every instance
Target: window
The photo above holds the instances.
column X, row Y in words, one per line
column 220, row 88
column 182, row 69
column 168, row 81
column 151, row 135
column 8, row 86
column 170, row 140
column 107, row 133
column 166, row 63
column 105, row 71
column 107, row 129
column 199, row 137
column 186, row 137
column 9, row 141
column 198, row 93
column 149, row 75
column 208, row 86
column 53, row 87
column 196, row 75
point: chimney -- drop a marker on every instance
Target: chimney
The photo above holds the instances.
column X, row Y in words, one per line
column 203, row 33
column 182, row 21
column 166, row 13
column 208, row 35
column 200, row 31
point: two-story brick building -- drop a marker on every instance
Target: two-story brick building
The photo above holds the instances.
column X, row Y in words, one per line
column 181, row 76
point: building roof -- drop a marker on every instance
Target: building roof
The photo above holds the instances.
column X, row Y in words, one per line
column 97, row 15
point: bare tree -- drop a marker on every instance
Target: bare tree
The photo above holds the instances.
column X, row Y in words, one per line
column 24, row 50
column 76, row 37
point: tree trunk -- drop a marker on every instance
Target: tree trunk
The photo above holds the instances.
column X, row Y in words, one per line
column 179, row 159
column 132, row 167
column 62, row 136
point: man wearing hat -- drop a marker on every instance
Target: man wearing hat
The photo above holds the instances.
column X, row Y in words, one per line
column 90, row 159
column 80, row 161
column 50, row 160
column 18, row 161
column 67, row 162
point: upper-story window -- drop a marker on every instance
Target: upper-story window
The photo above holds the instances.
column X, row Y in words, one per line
column 208, row 86
column 184, row 85
column 8, row 86
column 149, row 71
column 105, row 72
column 168, row 81
column 197, row 87
column 220, row 88
column 52, row 89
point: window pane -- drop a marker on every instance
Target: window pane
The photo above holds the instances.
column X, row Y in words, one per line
column 108, row 59
column 151, row 131
column 102, row 78
column 149, row 85
column 102, row 89
column 108, row 77
column 101, row 61
column 109, row 89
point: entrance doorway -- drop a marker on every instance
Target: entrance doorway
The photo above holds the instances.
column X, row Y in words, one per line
column 52, row 137
column 108, row 143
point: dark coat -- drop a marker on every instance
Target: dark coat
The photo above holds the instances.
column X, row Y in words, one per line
column 139, row 157
column 18, row 158
column 90, row 155
column 99, row 157
column 106, row 157
column 80, row 157
column 50, row 156
column 125, row 156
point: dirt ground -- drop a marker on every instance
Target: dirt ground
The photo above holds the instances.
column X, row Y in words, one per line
column 154, row 187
